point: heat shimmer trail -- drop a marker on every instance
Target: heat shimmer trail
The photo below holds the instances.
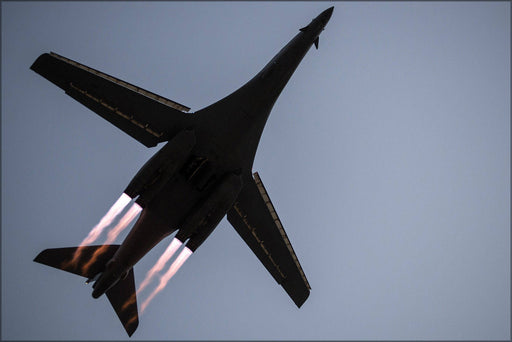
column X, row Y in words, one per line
column 127, row 218
column 176, row 265
column 160, row 264
column 98, row 229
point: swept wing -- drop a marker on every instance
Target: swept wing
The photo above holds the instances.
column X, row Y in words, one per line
column 254, row 218
column 143, row 115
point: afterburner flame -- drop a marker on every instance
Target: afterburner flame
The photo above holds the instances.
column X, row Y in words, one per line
column 160, row 264
column 129, row 301
column 134, row 210
column 105, row 221
column 176, row 265
column 132, row 320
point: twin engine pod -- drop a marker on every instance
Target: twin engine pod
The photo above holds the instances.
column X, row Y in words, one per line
column 207, row 214
column 161, row 167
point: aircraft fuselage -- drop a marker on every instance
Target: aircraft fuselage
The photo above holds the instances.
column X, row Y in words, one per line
column 195, row 178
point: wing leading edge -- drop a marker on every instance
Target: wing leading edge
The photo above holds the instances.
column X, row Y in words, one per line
column 143, row 115
column 254, row 218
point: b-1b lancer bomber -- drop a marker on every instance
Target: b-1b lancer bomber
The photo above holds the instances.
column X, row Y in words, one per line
column 203, row 172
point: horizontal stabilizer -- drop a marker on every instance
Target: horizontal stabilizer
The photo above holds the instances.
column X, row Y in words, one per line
column 63, row 259
column 123, row 298
column 88, row 261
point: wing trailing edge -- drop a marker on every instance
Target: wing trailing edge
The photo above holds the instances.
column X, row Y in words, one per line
column 145, row 116
column 254, row 218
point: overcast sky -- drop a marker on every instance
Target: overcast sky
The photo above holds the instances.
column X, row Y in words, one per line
column 387, row 158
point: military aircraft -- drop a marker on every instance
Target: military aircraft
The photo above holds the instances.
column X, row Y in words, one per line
column 202, row 173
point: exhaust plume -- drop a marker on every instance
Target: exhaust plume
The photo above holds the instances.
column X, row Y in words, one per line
column 176, row 265
column 105, row 221
column 160, row 264
column 134, row 210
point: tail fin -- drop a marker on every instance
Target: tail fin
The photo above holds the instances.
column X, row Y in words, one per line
column 64, row 259
column 122, row 296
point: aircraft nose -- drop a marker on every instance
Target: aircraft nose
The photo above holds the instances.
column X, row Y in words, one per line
column 326, row 15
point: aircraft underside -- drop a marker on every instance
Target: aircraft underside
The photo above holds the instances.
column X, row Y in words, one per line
column 202, row 173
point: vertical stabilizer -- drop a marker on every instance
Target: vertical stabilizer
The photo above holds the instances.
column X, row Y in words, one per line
column 122, row 296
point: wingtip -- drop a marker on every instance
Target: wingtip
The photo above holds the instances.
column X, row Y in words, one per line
column 36, row 66
column 299, row 301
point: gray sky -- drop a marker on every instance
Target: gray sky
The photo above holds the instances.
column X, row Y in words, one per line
column 387, row 157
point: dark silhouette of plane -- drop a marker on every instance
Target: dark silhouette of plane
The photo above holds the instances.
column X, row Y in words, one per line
column 202, row 173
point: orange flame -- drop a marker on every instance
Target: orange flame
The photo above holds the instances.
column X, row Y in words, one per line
column 176, row 265
column 134, row 210
column 130, row 301
column 106, row 221
column 160, row 264
column 132, row 320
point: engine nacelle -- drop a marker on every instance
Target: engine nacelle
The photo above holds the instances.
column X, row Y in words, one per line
column 162, row 166
column 207, row 215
